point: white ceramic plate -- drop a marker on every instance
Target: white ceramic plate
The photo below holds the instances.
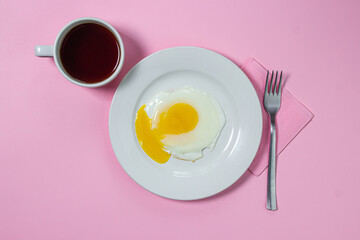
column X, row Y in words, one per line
column 237, row 145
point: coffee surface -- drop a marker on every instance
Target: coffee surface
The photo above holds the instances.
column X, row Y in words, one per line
column 90, row 53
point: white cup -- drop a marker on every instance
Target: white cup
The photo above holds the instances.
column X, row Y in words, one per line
column 54, row 50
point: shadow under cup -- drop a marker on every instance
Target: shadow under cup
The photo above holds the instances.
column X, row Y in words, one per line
column 89, row 52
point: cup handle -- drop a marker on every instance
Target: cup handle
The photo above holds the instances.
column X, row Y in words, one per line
column 44, row 50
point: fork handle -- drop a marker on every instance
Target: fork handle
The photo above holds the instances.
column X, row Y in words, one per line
column 271, row 184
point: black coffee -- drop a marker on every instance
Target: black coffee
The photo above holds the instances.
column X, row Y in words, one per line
column 90, row 53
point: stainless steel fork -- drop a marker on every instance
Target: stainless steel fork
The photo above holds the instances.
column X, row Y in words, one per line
column 272, row 101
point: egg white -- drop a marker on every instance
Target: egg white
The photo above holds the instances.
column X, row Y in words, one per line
column 211, row 120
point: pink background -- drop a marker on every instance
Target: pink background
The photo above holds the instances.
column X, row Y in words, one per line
column 59, row 178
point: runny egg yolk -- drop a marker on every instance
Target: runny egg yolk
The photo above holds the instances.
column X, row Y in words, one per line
column 179, row 118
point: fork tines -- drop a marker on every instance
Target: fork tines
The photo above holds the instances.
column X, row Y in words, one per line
column 273, row 89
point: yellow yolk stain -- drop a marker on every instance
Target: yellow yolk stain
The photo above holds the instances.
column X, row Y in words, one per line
column 148, row 142
column 179, row 118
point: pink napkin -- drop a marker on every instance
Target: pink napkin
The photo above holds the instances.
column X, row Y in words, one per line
column 292, row 117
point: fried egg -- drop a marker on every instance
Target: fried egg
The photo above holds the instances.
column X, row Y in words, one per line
column 179, row 123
